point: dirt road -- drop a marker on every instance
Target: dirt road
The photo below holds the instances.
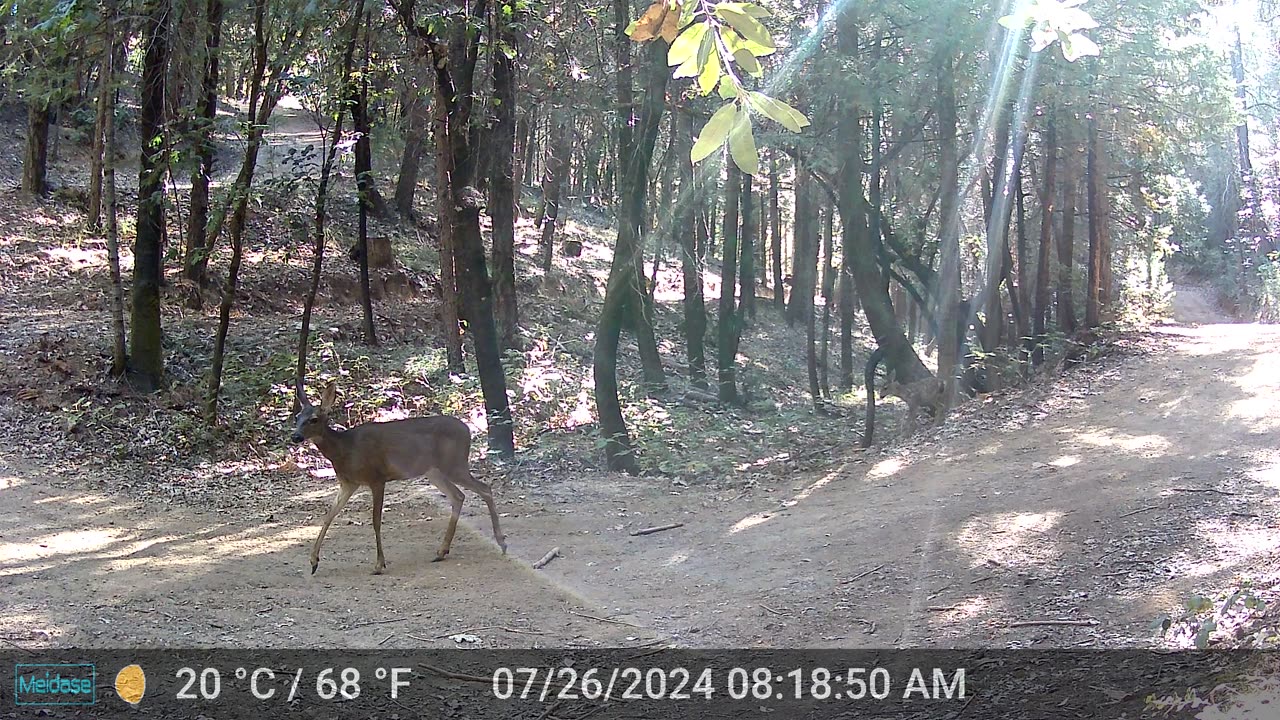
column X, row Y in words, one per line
column 1134, row 489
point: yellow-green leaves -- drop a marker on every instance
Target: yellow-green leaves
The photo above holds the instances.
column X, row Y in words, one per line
column 1059, row 20
column 778, row 111
column 742, row 145
column 746, row 25
column 684, row 54
column 720, row 44
column 714, row 132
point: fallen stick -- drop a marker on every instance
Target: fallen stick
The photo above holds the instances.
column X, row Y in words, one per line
column 1140, row 510
column 657, row 529
column 942, row 608
column 542, row 562
column 779, row 613
column 1033, row 623
column 385, row 639
column 1195, row 490
column 381, row 622
column 464, row 631
column 861, row 575
column 607, row 620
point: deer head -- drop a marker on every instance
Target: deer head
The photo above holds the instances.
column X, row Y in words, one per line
column 313, row 420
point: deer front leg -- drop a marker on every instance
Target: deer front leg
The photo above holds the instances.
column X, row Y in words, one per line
column 455, row 501
column 482, row 489
column 339, row 502
column 378, row 489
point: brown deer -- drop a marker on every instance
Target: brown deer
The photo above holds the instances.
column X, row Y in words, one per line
column 373, row 454
column 924, row 395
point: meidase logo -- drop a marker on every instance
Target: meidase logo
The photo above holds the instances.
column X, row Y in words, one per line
column 64, row 684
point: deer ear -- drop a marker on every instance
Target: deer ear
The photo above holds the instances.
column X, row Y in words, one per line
column 328, row 396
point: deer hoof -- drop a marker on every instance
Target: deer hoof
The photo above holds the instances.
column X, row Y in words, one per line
column 438, row 558
column 379, row 570
column 314, row 565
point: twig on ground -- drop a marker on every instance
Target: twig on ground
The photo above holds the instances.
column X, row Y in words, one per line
column 1140, row 510
column 604, row 619
column 464, row 630
column 383, row 622
column 656, row 529
column 551, row 555
column 861, row 575
column 1034, row 623
column 385, row 639
column 779, row 613
column 1197, row 490
column 942, row 608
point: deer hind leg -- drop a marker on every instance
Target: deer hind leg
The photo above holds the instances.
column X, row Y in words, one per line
column 455, row 501
column 339, row 502
column 378, row 489
column 481, row 488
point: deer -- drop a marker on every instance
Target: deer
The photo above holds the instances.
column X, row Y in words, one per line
column 374, row 453
column 925, row 394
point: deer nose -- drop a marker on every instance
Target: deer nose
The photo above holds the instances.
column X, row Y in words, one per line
column 297, row 437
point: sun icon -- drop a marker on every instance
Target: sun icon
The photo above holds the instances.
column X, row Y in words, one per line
column 131, row 684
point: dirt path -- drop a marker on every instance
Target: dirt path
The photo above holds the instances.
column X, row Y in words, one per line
column 1160, row 478
column 1163, row 480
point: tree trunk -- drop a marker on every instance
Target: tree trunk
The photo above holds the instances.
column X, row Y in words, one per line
column 828, row 297
column 556, row 166
column 359, row 94
column 775, row 232
column 728, row 330
column 502, row 204
column 105, row 100
column 1041, row 310
column 196, row 258
column 119, row 357
column 1099, row 241
column 1024, row 269
column 1066, row 243
column 951, row 326
column 417, row 138
column 804, row 263
column 261, row 104
column 35, row 173
column 689, row 227
column 146, row 353
column 750, row 227
column 623, row 296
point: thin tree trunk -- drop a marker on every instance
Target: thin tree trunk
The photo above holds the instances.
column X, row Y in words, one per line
column 502, row 205
column 1066, row 243
column 1099, row 242
column 105, row 99
column 364, row 187
column 1040, row 312
column 261, row 104
column 690, row 229
column 828, row 297
column 775, row 231
column 728, row 330
column 196, row 260
column 556, row 166
column 119, row 357
column 750, row 227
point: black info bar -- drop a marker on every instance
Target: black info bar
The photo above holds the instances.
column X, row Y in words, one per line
column 580, row 683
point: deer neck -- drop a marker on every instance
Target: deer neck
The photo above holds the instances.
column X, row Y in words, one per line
column 332, row 444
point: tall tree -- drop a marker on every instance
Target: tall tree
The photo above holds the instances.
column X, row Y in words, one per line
column 502, row 140
column 196, row 258
column 453, row 58
column 624, row 296
column 1039, row 314
column 729, row 328
column 691, row 231
column 146, row 353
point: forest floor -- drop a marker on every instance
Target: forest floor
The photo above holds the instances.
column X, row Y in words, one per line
column 1070, row 513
